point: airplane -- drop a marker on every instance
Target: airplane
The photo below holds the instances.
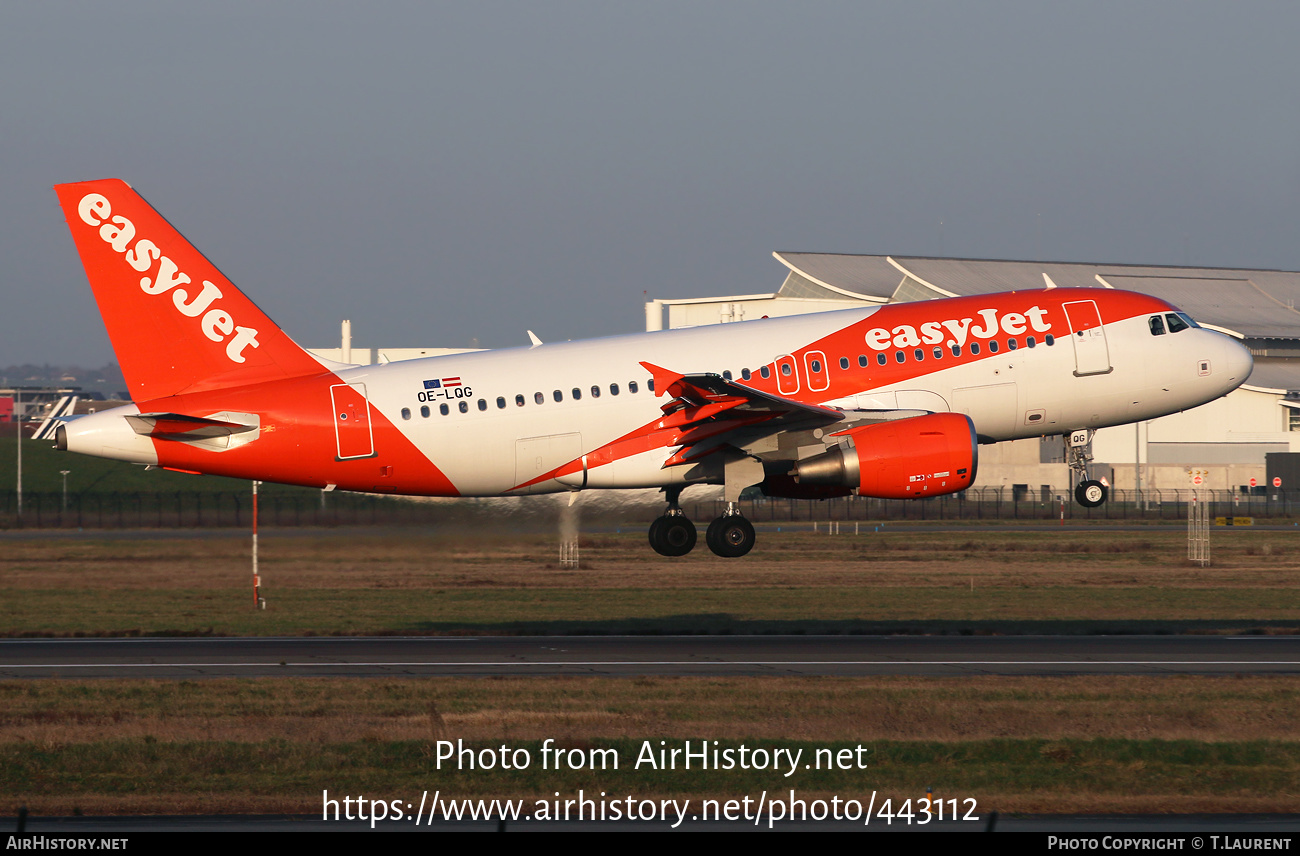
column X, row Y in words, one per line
column 883, row 401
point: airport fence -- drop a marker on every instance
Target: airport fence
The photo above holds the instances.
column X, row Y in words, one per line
column 1009, row 504
column 193, row 509
column 199, row 509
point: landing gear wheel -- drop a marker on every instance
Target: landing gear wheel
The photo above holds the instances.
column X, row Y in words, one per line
column 1091, row 493
column 672, row 535
column 730, row 537
column 656, row 529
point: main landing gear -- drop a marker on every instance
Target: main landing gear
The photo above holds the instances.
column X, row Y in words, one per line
column 1089, row 493
column 673, row 534
column 730, row 536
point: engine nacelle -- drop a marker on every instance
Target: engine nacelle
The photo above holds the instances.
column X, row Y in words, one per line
column 905, row 459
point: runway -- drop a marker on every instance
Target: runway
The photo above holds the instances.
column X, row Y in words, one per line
column 628, row 656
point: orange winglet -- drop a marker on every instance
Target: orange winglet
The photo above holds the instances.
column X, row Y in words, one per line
column 663, row 378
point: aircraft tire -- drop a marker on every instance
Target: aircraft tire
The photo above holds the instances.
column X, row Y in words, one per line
column 1091, row 493
column 730, row 537
column 656, row 536
column 672, row 535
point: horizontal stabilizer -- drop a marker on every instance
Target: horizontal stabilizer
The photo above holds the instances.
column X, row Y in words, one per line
column 178, row 426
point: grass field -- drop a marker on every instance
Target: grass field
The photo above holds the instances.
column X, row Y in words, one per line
column 1015, row 744
column 1077, row 744
column 402, row 581
column 42, row 463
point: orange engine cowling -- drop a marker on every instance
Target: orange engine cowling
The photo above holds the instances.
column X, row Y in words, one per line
column 904, row 459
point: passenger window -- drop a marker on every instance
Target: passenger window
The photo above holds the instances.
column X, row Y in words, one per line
column 424, row 411
column 956, row 350
column 844, row 362
column 881, row 359
column 862, row 360
column 501, row 403
column 1176, row 324
column 557, row 395
column 595, row 392
column 974, row 348
column 1049, row 340
column 613, row 389
column 631, row 387
column 726, row 374
column 745, row 374
column 785, row 369
column 443, row 409
column 1011, row 344
column 765, row 372
column 938, row 353
column 817, row 366
column 539, row 398
column 650, row 384
column 519, row 400
column 577, row 394
column 1157, row 325
column 482, row 403
column 406, row 413
column 993, row 346
column 919, row 354
column 464, row 406
column 1031, row 341
column 899, row 356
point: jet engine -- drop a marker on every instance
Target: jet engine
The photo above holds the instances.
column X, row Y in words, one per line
column 909, row 458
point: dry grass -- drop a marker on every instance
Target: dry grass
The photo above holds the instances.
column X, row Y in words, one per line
column 403, row 559
column 399, row 581
column 1017, row 744
column 879, row 708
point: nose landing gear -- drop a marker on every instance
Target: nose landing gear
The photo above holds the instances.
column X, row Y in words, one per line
column 1089, row 492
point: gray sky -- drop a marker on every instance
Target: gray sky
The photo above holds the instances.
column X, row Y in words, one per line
column 438, row 172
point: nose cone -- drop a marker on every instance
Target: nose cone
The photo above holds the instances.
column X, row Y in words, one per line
column 1237, row 361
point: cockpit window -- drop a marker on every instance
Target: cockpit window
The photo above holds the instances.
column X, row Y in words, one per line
column 1157, row 325
column 1176, row 323
column 1188, row 319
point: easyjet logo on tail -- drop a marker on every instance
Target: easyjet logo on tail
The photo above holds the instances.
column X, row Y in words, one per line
column 958, row 330
column 216, row 323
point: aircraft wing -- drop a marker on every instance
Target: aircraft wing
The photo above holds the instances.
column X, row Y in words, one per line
column 704, row 408
column 705, row 413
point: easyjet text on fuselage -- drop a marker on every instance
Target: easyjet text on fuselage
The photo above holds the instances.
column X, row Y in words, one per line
column 956, row 331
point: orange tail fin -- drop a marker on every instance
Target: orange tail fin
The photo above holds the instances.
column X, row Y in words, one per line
column 176, row 324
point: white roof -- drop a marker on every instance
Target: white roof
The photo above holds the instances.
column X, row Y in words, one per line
column 1254, row 303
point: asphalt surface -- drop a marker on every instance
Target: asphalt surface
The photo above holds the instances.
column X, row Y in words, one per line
column 624, row 656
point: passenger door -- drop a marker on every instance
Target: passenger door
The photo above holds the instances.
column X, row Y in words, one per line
column 1091, row 355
